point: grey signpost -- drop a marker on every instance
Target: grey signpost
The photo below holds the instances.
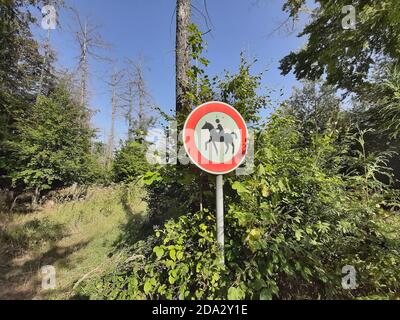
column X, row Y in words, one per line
column 220, row 216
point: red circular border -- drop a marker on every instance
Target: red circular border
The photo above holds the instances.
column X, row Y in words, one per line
column 189, row 140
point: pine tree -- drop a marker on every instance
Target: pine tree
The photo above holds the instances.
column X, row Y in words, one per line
column 53, row 149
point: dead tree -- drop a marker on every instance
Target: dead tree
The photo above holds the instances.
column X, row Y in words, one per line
column 183, row 13
column 138, row 101
column 90, row 42
column 45, row 65
column 114, row 84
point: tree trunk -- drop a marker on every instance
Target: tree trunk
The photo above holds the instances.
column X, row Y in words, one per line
column 112, row 133
column 183, row 12
column 85, row 75
column 35, row 198
column 130, row 117
column 45, row 63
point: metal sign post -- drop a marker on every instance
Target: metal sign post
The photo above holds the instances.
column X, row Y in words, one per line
column 220, row 216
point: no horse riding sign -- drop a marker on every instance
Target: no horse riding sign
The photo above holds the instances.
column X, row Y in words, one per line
column 215, row 138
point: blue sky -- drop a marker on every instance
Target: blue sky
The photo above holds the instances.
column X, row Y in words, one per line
column 146, row 27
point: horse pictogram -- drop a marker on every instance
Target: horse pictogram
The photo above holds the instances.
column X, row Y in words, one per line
column 218, row 135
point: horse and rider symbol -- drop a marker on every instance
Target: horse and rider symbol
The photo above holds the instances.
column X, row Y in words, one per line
column 218, row 135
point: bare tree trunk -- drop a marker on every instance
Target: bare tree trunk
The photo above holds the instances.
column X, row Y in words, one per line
column 90, row 42
column 114, row 83
column 35, row 198
column 138, row 101
column 84, row 71
column 45, row 63
column 130, row 114
column 142, row 96
column 183, row 12
column 113, row 117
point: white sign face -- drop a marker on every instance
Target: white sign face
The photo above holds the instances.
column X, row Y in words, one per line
column 219, row 137
column 215, row 138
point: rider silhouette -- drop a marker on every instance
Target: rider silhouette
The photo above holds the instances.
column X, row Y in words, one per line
column 220, row 130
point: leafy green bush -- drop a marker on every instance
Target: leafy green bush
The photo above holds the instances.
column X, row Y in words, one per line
column 290, row 228
column 305, row 214
column 130, row 162
column 179, row 261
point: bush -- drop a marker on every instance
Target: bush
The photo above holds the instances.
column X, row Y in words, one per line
column 180, row 262
column 130, row 162
column 290, row 228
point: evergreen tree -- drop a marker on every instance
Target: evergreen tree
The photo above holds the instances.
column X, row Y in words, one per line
column 53, row 149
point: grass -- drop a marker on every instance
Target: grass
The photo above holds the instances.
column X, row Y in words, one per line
column 76, row 238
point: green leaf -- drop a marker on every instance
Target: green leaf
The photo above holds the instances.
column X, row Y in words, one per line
column 172, row 254
column 159, row 252
column 240, row 188
column 151, row 177
column 235, row 294
column 264, row 191
column 171, row 280
column 299, row 234
column 179, row 255
column 265, row 294
column 148, row 286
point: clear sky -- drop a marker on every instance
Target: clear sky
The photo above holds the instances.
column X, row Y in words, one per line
column 146, row 27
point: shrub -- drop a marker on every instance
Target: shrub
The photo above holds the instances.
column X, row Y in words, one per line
column 130, row 162
column 290, row 228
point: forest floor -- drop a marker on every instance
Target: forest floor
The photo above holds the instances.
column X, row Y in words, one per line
column 77, row 238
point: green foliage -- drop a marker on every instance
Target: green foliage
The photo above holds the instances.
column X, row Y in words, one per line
column 389, row 105
column 302, row 219
column 100, row 170
column 130, row 162
column 181, row 189
column 351, row 54
column 181, row 263
column 20, row 69
column 304, row 214
column 316, row 107
column 241, row 89
column 315, row 203
column 53, row 148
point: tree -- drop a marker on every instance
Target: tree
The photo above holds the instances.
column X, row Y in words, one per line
column 130, row 162
column 46, row 74
column 20, row 66
column 90, row 42
column 389, row 105
column 116, row 79
column 53, row 149
column 183, row 13
column 356, row 60
column 292, row 225
column 317, row 109
column 138, row 102
column 346, row 57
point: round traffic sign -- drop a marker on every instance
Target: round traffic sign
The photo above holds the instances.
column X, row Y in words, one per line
column 215, row 138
